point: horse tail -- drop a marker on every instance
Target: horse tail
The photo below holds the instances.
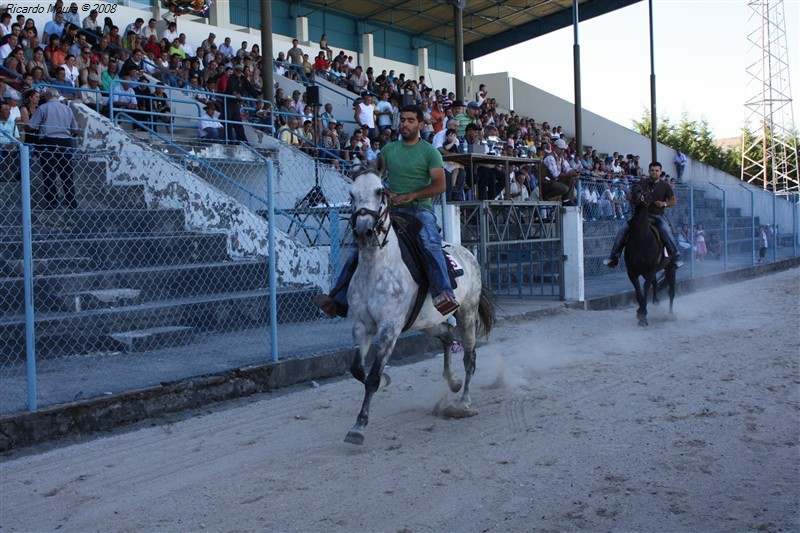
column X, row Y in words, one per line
column 486, row 310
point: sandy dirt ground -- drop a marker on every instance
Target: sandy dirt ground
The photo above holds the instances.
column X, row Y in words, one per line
column 585, row 422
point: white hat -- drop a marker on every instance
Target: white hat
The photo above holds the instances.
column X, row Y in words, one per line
column 560, row 144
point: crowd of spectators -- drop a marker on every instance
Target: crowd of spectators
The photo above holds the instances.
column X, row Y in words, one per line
column 76, row 53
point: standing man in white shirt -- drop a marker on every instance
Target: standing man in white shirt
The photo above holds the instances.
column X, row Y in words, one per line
column 365, row 115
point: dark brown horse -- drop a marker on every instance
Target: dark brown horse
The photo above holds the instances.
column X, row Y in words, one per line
column 644, row 254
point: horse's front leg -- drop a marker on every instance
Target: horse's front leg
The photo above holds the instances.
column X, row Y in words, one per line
column 641, row 298
column 361, row 338
column 652, row 281
column 387, row 337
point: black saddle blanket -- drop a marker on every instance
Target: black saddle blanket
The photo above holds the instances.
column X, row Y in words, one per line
column 407, row 230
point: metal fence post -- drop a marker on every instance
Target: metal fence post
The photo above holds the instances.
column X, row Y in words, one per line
column 775, row 238
column 691, row 228
column 752, row 223
column 724, row 227
column 27, row 261
column 333, row 225
column 795, row 229
column 273, row 286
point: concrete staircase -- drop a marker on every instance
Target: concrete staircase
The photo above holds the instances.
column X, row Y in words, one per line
column 114, row 275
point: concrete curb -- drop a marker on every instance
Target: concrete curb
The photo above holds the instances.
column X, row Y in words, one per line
column 82, row 418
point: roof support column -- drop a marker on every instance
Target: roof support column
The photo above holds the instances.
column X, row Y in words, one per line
column 458, row 45
column 576, row 64
column 653, row 116
column 268, row 81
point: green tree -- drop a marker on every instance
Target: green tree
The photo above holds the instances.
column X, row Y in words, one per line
column 694, row 138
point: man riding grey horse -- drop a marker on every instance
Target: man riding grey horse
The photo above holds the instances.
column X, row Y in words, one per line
column 416, row 175
column 661, row 197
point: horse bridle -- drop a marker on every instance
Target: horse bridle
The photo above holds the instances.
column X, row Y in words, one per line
column 381, row 218
column 644, row 195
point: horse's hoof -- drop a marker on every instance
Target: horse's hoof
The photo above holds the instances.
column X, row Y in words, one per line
column 385, row 382
column 354, row 437
column 458, row 411
column 643, row 322
column 455, row 384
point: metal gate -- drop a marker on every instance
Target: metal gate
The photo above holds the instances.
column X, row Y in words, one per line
column 517, row 244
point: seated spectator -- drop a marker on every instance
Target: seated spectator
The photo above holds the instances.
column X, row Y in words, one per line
column 210, row 128
column 557, row 179
column 150, row 29
column 94, row 97
column 330, row 143
column 714, row 246
column 123, row 98
column 321, row 65
column 135, row 27
column 372, row 153
column 171, row 33
column 72, row 16
column 114, row 37
column 606, row 202
column 356, row 151
column 262, row 115
column 323, row 45
column 175, row 49
column 288, row 135
column 519, row 186
column 110, row 75
column 308, row 68
column 684, row 239
column 54, row 27
column 447, row 142
column 59, row 56
column 160, row 107
column 358, row 81
column 590, row 200
column 11, row 42
column 90, row 23
column 73, row 75
column 29, row 106
column 65, row 88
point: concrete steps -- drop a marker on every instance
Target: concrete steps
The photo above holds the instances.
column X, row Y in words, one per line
column 69, row 333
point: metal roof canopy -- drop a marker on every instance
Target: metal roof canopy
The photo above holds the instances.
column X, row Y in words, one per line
column 488, row 25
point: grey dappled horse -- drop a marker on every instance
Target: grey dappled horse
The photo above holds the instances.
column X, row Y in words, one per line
column 382, row 292
column 644, row 255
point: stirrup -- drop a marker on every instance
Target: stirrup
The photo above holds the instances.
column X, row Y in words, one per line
column 678, row 262
column 611, row 262
column 445, row 304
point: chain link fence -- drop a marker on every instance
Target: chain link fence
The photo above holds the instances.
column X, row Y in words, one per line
column 150, row 266
column 717, row 228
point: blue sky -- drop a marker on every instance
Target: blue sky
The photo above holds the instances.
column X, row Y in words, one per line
column 701, row 53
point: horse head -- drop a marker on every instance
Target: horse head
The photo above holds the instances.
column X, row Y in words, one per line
column 370, row 203
column 639, row 195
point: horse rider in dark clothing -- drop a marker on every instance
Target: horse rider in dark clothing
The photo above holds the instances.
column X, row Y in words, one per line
column 661, row 197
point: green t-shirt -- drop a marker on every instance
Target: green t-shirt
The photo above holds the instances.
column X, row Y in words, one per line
column 409, row 168
column 463, row 121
